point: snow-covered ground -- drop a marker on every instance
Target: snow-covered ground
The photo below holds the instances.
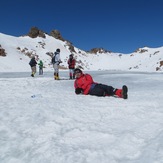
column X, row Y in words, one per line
column 58, row 126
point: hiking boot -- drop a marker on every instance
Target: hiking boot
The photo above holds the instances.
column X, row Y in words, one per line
column 56, row 77
column 124, row 92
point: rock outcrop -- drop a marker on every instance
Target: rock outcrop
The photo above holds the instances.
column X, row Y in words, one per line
column 35, row 32
column 2, row 52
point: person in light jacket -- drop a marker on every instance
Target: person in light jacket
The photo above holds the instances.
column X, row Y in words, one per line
column 56, row 61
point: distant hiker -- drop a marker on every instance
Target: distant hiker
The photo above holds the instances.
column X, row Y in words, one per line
column 71, row 65
column 33, row 64
column 40, row 67
column 56, row 61
column 84, row 84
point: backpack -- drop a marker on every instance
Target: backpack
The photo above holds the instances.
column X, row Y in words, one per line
column 53, row 58
column 30, row 63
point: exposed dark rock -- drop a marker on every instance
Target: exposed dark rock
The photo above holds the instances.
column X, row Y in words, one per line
column 98, row 50
column 56, row 34
column 35, row 32
column 139, row 50
column 2, row 52
column 71, row 47
column 161, row 63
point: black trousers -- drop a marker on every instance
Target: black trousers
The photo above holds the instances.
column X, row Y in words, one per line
column 102, row 90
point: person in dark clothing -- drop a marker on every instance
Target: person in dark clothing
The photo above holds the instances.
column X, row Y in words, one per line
column 84, row 84
column 71, row 65
column 33, row 64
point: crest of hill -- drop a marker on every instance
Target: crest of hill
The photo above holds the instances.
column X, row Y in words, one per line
column 16, row 52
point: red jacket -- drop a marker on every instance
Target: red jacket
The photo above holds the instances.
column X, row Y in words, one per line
column 84, row 82
column 71, row 63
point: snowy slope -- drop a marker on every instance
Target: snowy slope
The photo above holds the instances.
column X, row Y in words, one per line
column 18, row 50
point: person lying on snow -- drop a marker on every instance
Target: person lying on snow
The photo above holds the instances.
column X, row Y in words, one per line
column 84, row 84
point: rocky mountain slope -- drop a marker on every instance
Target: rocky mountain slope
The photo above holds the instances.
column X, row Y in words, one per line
column 15, row 54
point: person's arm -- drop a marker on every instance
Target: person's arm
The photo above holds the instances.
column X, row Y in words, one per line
column 78, row 90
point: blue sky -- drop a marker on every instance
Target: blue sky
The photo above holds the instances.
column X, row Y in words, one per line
column 116, row 25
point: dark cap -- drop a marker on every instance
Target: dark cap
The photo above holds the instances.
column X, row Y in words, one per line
column 58, row 50
column 77, row 70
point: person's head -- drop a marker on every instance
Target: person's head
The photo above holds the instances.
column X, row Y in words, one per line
column 71, row 55
column 58, row 50
column 78, row 72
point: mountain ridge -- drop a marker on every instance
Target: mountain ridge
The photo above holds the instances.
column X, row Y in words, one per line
column 17, row 52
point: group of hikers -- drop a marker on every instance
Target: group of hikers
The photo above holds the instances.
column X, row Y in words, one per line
column 83, row 83
column 55, row 62
column 33, row 64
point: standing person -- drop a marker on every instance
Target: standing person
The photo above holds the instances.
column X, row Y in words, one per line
column 84, row 84
column 71, row 65
column 33, row 64
column 40, row 67
column 56, row 61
